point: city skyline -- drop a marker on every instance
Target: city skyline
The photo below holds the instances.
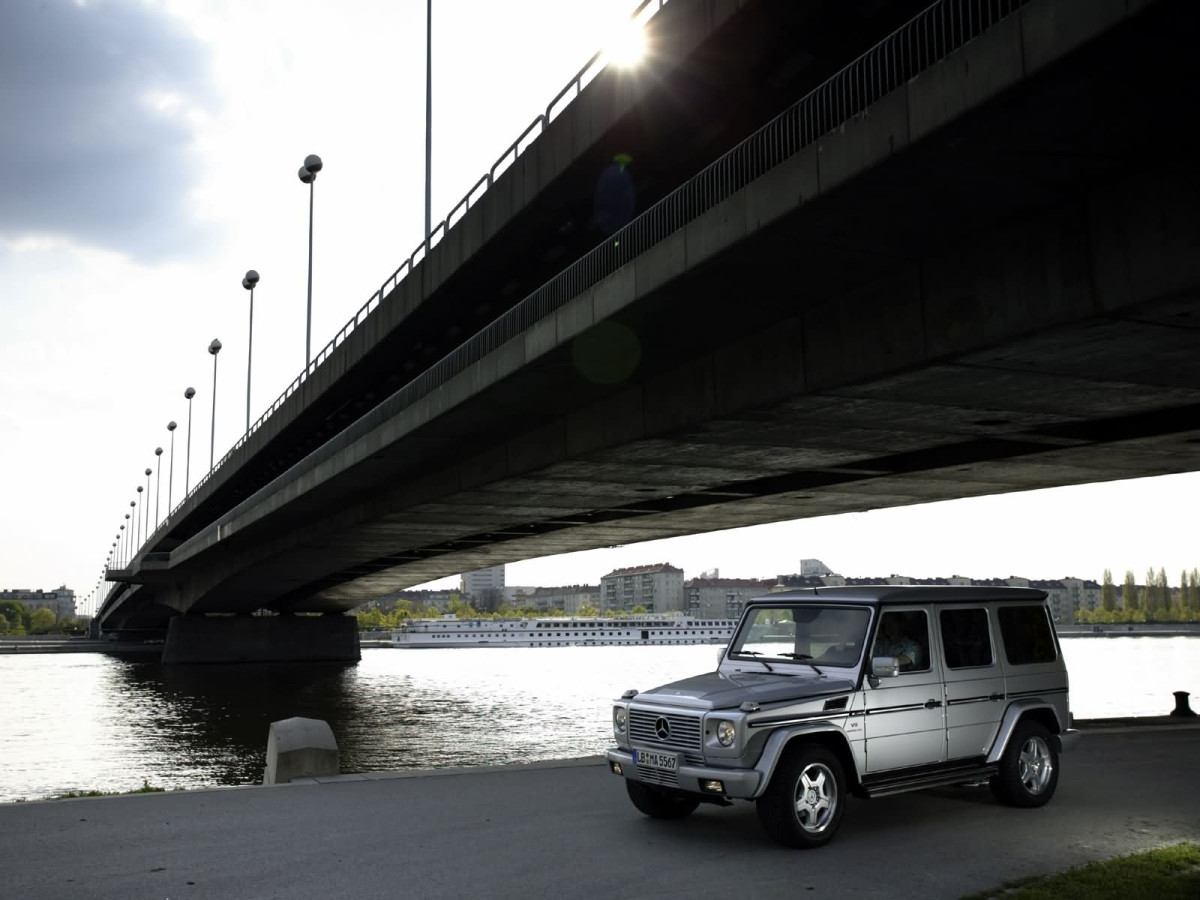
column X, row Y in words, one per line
column 153, row 150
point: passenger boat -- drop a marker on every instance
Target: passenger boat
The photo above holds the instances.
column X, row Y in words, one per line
column 562, row 632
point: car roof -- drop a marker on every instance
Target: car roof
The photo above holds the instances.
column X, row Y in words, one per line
column 903, row 593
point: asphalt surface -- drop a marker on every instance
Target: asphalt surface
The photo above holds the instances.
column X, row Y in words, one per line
column 567, row 830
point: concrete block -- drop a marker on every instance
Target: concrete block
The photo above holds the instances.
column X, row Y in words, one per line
column 300, row 748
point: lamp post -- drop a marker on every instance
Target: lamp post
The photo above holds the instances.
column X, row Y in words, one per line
column 128, row 533
column 308, row 175
column 171, row 466
column 428, row 114
column 187, row 468
column 138, row 518
column 248, row 282
column 157, row 483
column 214, row 348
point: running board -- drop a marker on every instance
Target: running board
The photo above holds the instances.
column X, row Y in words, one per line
column 881, row 786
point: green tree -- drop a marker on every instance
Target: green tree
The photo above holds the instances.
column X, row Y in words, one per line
column 1164, row 592
column 587, row 610
column 42, row 621
column 1108, row 593
column 639, row 610
column 1149, row 595
column 1129, row 592
column 1194, row 590
column 17, row 615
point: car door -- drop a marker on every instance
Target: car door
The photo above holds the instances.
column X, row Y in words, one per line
column 905, row 723
column 974, row 679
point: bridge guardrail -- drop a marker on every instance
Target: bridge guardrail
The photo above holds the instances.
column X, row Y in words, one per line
column 933, row 34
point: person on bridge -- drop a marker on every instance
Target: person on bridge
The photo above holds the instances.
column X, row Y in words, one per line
column 615, row 199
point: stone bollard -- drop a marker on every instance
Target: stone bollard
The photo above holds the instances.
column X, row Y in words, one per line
column 1181, row 705
column 300, row 748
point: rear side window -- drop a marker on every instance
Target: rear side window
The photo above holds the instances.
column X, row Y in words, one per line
column 1027, row 635
column 966, row 641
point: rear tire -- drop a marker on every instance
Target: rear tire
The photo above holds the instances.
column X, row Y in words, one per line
column 1028, row 772
column 659, row 804
column 803, row 804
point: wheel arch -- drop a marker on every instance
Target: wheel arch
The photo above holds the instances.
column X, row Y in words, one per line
column 788, row 741
column 1032, row 710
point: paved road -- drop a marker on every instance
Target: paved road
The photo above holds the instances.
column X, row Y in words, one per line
column 566, row 830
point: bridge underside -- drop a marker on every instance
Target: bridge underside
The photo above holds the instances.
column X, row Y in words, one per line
column 1011, row 303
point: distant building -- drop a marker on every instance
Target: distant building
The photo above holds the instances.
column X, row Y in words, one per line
column 814, row 568
column 722, row 598
column 569, row 600
column 657, row 588
column 484, row 588
column 60, row 601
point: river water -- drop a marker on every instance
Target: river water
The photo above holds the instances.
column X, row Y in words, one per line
column 84, row 721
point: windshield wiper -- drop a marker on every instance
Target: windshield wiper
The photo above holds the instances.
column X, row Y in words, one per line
column 756, row 653
column 804, row 658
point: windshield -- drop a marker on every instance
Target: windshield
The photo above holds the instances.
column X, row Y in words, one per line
column 826, row 635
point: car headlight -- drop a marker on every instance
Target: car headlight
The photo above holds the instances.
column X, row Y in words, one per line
column 619, row 716
column 726, row 732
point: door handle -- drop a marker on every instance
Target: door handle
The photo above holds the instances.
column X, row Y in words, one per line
column 996, row 697
column 932, row 704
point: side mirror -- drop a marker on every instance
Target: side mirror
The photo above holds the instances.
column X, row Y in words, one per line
column 885, row 667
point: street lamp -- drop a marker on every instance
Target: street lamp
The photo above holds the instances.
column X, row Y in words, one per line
column 128, row 533
column 248, row 282
column 171, row 466
column 139, row 511
column 308, row 175
column 214, row 348
column 157, row 483
column 187, row 469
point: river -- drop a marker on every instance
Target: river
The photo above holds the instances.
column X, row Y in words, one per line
column 86, row 721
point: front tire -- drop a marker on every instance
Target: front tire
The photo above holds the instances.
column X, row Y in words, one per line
column 803, row 804
column 1028, row 772
column 659, row 804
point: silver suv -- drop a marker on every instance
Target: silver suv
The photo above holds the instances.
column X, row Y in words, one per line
column 961, row 685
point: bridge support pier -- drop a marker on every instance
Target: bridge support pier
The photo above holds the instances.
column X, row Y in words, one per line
column 248, row 639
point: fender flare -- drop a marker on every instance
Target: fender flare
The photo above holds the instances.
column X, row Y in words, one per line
column 1008, row 724
column 778, row 742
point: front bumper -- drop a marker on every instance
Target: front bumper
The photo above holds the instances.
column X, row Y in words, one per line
column 739, row 783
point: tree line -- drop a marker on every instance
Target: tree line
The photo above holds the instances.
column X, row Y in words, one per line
column 1154, row 600
column 16, row 619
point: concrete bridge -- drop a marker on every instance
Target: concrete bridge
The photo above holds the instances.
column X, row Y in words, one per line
column 950, row 260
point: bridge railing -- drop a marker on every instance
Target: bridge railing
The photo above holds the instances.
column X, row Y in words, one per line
column 645, row 10
column 930, row 36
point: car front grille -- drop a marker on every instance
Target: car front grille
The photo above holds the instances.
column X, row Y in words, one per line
column 684, row 733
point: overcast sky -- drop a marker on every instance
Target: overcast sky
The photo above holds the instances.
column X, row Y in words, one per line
column 150, row 158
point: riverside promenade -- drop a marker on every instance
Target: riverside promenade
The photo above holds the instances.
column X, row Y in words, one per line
column 566, row 830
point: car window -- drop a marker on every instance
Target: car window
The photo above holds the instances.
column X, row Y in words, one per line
column 1027, row 635
column 904, row 634
column 828, row 635
column 966, row 640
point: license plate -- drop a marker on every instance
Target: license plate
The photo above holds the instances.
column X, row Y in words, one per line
column 654, row 759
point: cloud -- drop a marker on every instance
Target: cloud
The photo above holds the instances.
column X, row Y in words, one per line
column 98, row 103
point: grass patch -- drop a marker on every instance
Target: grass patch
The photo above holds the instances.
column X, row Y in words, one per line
column 1169, row 873
column 146, row 788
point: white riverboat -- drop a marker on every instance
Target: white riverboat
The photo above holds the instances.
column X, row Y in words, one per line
column 562, row 632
